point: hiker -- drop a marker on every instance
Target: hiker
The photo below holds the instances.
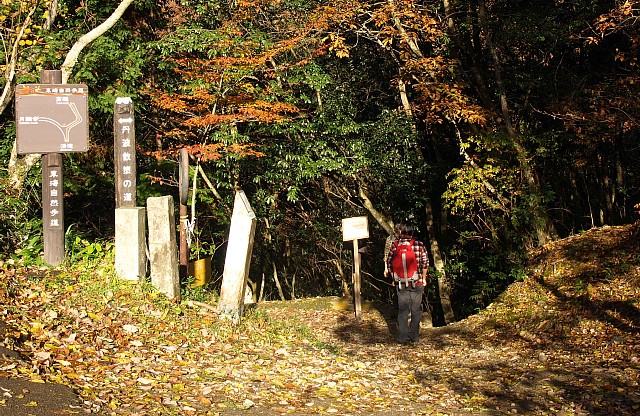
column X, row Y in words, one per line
column 408, row 263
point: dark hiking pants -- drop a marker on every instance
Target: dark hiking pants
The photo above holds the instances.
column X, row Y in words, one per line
column 409, row 305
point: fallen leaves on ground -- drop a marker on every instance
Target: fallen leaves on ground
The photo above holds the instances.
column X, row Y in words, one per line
column 563, row 341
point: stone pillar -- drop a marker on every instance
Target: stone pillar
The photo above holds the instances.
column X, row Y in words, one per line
column 131, row 243
column 163, row 253
column 238, row 259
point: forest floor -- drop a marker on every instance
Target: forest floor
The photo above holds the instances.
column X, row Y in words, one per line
column 564, row 341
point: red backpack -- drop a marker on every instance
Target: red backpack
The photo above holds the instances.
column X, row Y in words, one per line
column 404, row 264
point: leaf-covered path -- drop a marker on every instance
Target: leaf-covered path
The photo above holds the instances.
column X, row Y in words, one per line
column 563, row 341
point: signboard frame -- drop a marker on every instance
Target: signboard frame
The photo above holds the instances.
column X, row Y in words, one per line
column 52, row 118
column 355, row 228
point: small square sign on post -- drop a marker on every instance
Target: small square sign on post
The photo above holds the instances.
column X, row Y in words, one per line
column 355, row 228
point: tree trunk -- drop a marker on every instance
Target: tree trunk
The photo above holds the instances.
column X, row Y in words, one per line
column 343, row 279
column 384, row 221
column 444, row 286
column 10, row 71
column 277, row 280
column 73, row 54
column 18, row 168
column 541, row 223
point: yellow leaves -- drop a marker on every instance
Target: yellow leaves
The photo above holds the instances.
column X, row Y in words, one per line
column 36, row 327
column 337, row 45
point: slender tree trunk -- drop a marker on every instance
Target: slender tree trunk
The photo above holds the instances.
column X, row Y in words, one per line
column 269, row 239
column 343, row 279
column 466, row 51
column 277, row 280
column 293, row 286
column 621, row 200
column 17, row 168
column 384, row 221
column 261, row 295
column 74, row 53
column 444, row 287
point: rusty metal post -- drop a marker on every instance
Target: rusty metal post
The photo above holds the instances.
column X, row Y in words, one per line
column 184, row 213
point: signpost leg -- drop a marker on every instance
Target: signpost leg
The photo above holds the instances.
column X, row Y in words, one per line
column 357, row 301
column 52, row 193
column 52, row 208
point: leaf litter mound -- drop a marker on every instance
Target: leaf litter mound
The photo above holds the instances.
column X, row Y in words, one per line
column 564, row 341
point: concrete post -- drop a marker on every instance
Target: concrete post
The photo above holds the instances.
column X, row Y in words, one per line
column 238, row 259
column 163, row 253
column 131, row 243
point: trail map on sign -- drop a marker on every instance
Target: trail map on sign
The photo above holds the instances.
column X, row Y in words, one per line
column 51, row 118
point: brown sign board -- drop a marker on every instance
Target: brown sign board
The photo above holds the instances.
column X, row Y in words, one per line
column 52, row 118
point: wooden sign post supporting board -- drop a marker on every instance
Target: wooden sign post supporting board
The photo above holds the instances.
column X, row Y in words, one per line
column 52, row 119
column 353, row 229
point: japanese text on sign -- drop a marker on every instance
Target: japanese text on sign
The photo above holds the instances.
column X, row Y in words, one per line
column 125, row 153
column 355, row 228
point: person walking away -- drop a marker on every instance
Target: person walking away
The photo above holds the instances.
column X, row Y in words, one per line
column 408, row 263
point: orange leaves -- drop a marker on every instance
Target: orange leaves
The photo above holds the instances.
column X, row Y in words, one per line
column 621, row 18
column 209, row 152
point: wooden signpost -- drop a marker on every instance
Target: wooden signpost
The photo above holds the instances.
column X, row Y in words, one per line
column 130, row 219
column 52, row 118
column 353, row 229
column 124, row 149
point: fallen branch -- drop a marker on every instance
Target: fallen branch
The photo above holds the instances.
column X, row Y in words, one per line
column 195, row 303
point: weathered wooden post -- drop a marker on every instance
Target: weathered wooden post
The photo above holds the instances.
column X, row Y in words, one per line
column 53, row 208
column 353, row 229
column 124, row 149
column 131, row 254
column 238, row 259
column 52, row 119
